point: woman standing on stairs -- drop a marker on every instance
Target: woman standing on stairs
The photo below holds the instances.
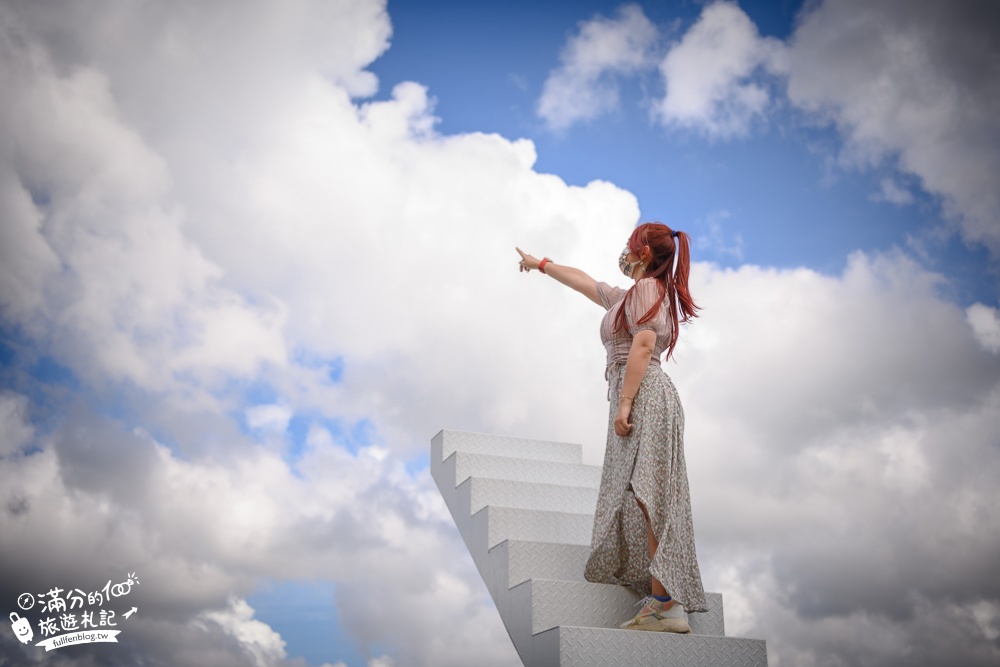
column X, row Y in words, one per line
column 643, row 534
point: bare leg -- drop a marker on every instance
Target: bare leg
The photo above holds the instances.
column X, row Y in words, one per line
column 658, row 588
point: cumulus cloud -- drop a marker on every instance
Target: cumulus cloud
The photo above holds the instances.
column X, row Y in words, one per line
column 200, row 533
column 17, row 430
column 832, row 423
column 263, row 644
column 584, row 86
column 914, row 83
column 129, row 298
column 716, row 75
column 188, row 231
column 985, row 323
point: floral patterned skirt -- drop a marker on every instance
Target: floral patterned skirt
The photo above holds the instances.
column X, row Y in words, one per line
column 648, row 465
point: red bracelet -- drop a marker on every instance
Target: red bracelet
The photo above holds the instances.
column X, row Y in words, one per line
column 541, row 264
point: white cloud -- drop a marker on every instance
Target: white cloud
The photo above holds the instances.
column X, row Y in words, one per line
column 129, row 298
column 205, row 232
column 584, row 86
column 201, row 533
column 264, row 646
column 832, row 423
column 987, row 617
column 985, row 323
column 716, row 75
column 25, row 257
column 272, row 417
column 909, row 83
column 17, row 430
column 914, row 83
column 893, row 193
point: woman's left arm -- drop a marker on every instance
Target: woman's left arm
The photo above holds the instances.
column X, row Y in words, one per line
column 635, row 368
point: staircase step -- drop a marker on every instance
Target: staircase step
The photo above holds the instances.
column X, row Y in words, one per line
column 501, row 445
column 525, row 470
column 569, row 646
column 543, row 560
column 506, row 523
column 527, row 523
column 529, row 496
column 593, row 605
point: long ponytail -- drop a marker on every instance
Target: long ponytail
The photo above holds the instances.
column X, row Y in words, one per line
column 678, row 294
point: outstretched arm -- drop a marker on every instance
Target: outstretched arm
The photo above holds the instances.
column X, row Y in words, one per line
column 567, row 275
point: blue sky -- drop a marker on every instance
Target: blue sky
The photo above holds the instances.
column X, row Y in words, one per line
column 253, row 256
column 778, row 190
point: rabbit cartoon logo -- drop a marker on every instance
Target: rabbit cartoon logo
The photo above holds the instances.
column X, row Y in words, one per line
column 21, row 627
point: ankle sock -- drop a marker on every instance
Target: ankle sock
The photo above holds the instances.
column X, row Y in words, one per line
column 662, row 599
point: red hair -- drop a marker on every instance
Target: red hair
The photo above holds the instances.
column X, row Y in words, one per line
column 664, row 244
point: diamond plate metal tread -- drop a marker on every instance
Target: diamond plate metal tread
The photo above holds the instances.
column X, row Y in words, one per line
column 544, row 560
column 531, row 496
column 532, row 562
column 602, row 606
column 569, row 646
column 505, row 523
column 502, row 445
column 524, row 470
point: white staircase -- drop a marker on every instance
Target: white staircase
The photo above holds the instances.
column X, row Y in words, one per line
column 525, row 510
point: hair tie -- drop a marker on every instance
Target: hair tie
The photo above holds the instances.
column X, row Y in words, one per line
column 673, row 234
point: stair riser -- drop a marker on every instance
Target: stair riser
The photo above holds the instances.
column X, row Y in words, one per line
column 518, row 470
column 531, row 496
column 537, row 526
column 517, row 448
column 532, row 558
column 444, row 475
column 537, row 560
column 603, row 606
column 590, row 647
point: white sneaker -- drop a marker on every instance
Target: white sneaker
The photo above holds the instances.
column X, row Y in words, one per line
column 656, row 616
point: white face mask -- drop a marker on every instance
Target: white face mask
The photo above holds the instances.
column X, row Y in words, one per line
column 628, row 268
